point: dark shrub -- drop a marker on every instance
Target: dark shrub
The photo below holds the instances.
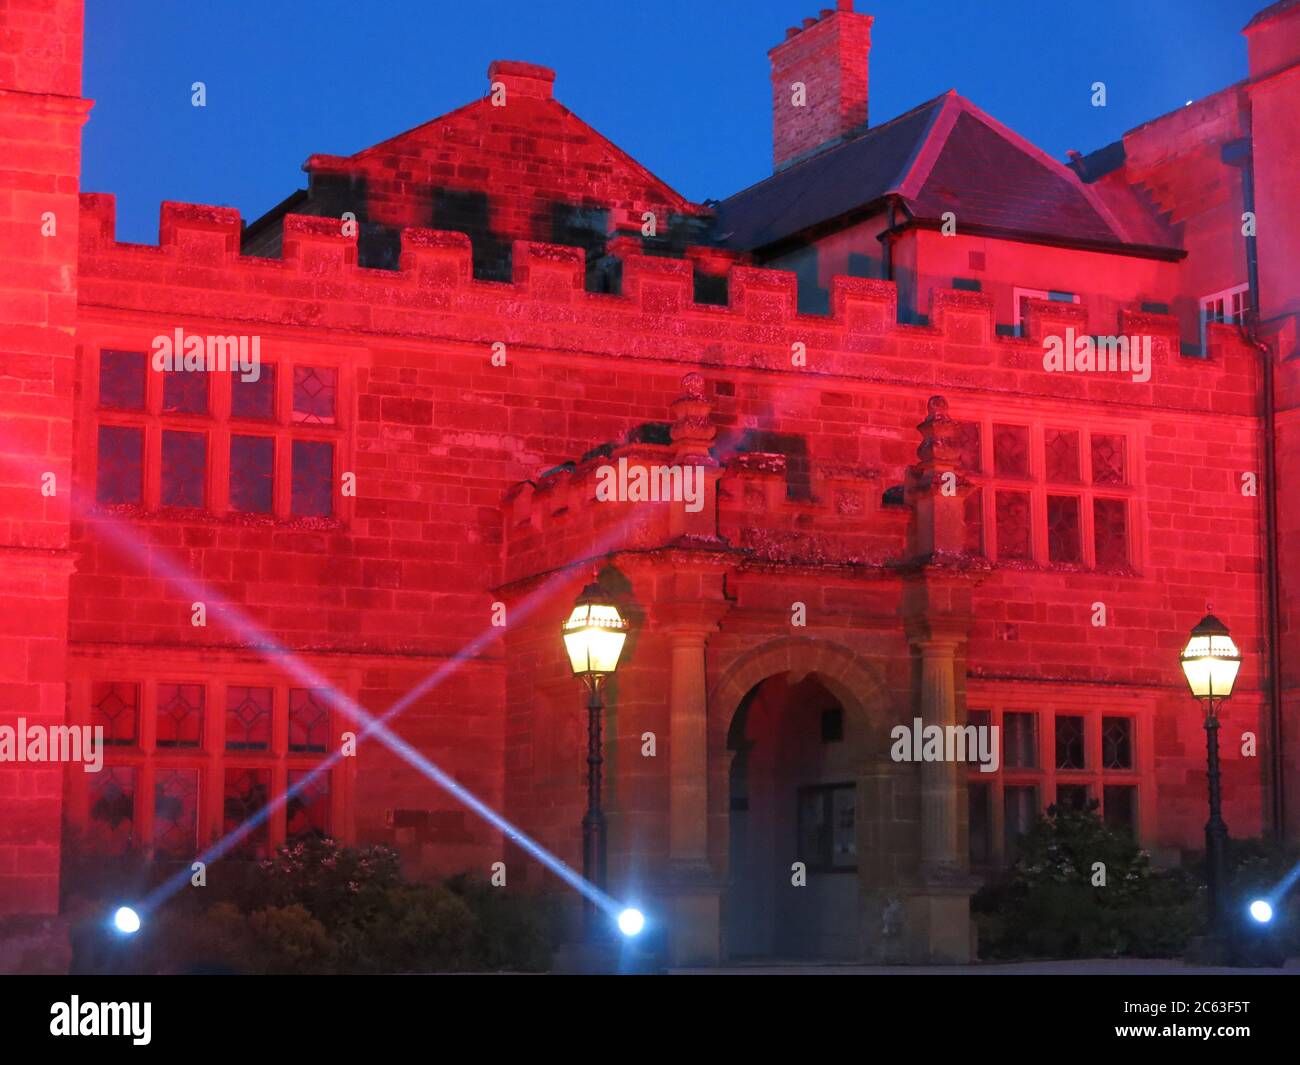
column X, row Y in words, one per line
column 1047, row 904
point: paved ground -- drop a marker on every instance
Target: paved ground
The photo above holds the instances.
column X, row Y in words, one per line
column 1090, row 967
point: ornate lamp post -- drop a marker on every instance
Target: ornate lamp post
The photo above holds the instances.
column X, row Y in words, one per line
column 593, row 637
column 1210, row 662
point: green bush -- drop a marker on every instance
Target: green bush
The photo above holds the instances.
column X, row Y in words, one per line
column 1047, row 905
column 319, row 907
column 513, row 931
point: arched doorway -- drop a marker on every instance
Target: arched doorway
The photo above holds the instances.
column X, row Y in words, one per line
column 793, row 797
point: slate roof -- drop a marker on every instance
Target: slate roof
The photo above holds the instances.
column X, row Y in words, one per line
column 945, row 155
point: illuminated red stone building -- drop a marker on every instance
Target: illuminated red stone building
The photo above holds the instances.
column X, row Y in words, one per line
column 904, row 513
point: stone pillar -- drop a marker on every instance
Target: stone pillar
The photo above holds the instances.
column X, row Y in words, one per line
column 690, row 884
column 936, row 614
column 688, row 826
column 940, row 781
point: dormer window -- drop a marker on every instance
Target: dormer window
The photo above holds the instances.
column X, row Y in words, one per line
column 1229, row 306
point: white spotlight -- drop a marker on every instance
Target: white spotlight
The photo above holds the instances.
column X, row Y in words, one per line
column 1261, row 911
column 126, row 921
column 631, row 921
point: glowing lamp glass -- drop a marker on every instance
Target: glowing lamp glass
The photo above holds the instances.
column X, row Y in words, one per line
column 1261, row 911
column 126, row 921
column 593, row 636
column 631, row 921
column 1210, row 660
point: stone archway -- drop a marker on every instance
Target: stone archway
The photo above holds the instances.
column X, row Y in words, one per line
column 856, row 683
column 799, row 729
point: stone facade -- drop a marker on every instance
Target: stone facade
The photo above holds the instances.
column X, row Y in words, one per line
column 903, row 513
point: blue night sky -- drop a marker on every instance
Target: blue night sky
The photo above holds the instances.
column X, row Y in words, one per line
column 682, row 86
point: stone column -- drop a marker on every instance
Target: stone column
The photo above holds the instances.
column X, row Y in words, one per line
column 688, row 822
column 936, row 613
column 691, row 886
column 940, row 781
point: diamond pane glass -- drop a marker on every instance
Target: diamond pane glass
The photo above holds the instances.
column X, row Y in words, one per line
column 112, row 810
column 176, row 812
column 248, row 718
column 968, row 442
column 1061, row 454
column 1117, row 743
column 184, row 468
column 314, row 388
column 119, row 472
column 1107, row 459
column 180, row 715
column 308, row 807
column 313, row 478
column 121, row 380
column 253, row 399
column 252, row 465
column 1064, row 543
column 1110, row 531
column 1013, row 525
column 309, row 720
column 1011, row 450
column 115, row 707
column 185, row 392
column 1069, row 742
column 247, row 791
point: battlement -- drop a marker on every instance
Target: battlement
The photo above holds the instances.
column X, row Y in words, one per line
column 617, row 498
column 197, row 269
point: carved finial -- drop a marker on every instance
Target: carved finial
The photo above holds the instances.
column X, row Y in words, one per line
column 692, row 429
column 939, row 434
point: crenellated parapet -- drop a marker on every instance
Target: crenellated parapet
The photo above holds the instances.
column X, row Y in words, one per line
column 686, row 490
column 197, row 269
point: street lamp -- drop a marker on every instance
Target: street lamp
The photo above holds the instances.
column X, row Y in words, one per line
column 1210, row 662
column 593, row 637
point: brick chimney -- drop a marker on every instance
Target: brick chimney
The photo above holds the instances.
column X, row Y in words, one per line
column 827, row 55
column 521, row 79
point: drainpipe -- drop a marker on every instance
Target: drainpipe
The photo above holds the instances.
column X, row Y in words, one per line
column 1239, row 153
column 887, row 241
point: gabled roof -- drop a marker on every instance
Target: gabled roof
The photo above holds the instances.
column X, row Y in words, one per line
column 543, row 125
column 946, row 155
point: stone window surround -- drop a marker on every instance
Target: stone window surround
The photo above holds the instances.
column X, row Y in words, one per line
column 988, row 482
column 217, row 425
column 211, row 759
column 1092, row 707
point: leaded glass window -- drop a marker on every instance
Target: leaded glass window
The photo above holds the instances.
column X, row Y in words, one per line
column 1013, row 524
column 248, row 718
column 1011, row 450
column 176, row 812
column 1107, row 459
column 308, row 720
column 1069, row 742
column 314, row 389
column 120, row 464
column 115, row 707
column 1064, row 542
column 180, row 715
